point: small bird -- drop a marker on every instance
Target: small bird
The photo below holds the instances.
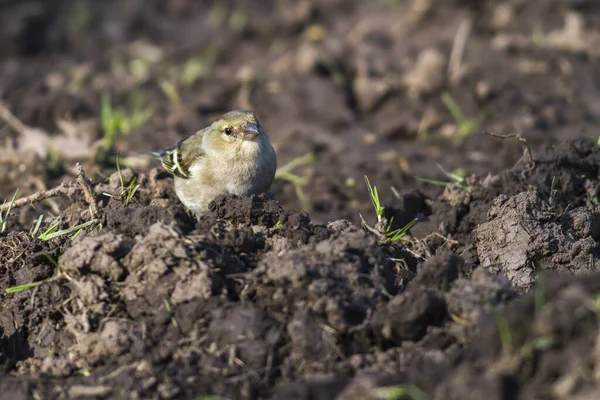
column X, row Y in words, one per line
column 232, row 155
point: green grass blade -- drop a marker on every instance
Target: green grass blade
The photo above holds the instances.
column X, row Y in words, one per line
column 504, row 333
column 21, row 288
column 53, row 262
column 37, row 225
column 106, row 115
column 297, row 162
column 52, row 235
column 120, row 174
column 454, row 176
column 433, row 182
column 76, row 234
column 401, row 232
column 170, row 90
column 4, row 218
column 140, row 117
column 399, row 392
column 374, row 195
column 49, row 231
column 454, row 109
column 292, row 178
column 131, row 190
column 389, row 225
column 26, row 286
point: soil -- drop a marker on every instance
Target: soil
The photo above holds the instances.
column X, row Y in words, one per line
column 492, row 294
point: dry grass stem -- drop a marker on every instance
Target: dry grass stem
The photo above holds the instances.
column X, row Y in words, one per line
column 526, row 149
column 459, row 45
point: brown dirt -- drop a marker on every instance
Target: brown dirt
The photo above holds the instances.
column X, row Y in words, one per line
column 494, row 294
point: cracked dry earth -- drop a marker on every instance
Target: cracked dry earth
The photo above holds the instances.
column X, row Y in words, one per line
column 256, row 302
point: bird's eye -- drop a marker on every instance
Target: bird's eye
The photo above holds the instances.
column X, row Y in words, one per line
column 228, row 131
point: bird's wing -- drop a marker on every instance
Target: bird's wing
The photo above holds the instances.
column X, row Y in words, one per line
column 178, row 159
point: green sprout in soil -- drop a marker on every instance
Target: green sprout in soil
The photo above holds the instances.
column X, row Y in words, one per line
column 401, row 264
column 397, row 234
column 399, row 392
column 238, row 20
column 537, row 35
column 458, row 178
column 21, row 288
column 96, row 229
column 132, row 188
column 172, row 93
column 116, row 123
column 538, row 344
column 52, row 232
column 36, row 228
column 61, row 274
column 504, row 332
column 374, row 196
column 51, row 350
column 594, row 306
column 217, row 17
column 383, row 228
column 466, row 126
column 170, row 311
column 4, row 216
column 84, row 372
column 198, row 67
column 217, row 14
column 285, row 173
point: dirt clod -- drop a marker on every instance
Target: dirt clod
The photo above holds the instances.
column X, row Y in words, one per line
column 524, row 236
column 253, row 210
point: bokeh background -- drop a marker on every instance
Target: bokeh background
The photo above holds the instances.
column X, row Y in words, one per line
column 394, row 89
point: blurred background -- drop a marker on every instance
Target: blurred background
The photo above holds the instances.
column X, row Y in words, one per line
column 394, row 89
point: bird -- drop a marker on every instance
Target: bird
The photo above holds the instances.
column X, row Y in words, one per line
column 232, row 155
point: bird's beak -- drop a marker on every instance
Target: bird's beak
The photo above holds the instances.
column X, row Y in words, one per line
column 251, row 132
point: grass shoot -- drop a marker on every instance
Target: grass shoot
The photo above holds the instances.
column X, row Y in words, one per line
column 60, row 274
column 36, row 228
column 457, row 178
column 4, row 216
column 53, row 232
column 116, row 123
column 170, row 311
column 286, row 173
column 132, row 188
column 466, row 126
column 392, row 235
column 374, row 195
column 399, row 392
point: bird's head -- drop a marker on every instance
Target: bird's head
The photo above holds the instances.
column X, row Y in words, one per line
column 236, row 134
column 236, row 126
